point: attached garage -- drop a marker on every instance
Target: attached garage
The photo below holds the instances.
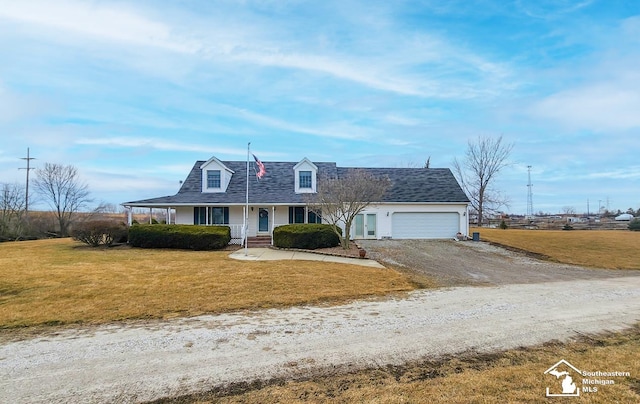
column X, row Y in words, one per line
column 421, row 225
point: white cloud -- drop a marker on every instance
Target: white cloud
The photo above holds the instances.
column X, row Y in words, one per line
column 605, row 106
column 600, row 91
column 263, row 42
column 15, row 106
column 111, row 23
column 363, row 73
column 626, row 173
column 550, row 9
column 158, row 144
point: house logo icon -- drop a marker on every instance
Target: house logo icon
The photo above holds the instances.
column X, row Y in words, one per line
column 565, row 386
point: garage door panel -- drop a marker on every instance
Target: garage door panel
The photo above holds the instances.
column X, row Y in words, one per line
column 419, row 225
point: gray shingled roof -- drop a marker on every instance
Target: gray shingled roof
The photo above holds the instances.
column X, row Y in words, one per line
column 431, row 185
column 417, row 184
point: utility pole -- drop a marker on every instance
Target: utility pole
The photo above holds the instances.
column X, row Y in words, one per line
column 529, row 194
column 28, row 168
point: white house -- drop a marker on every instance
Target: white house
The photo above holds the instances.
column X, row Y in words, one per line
column 422, row 203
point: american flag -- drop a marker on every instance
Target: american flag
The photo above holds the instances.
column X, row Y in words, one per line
column 261, row 170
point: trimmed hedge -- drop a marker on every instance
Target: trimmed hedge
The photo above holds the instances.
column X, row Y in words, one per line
column 180, row 236
column 305, row 236
column 100, row 232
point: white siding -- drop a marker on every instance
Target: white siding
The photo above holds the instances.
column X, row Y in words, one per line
column 389, row 219
column 385, row 216
column 184, row 215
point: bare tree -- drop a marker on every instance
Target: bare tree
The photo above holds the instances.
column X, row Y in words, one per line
column 483, row 160
column 12, row 210
column 339, row 200
column 63, row 190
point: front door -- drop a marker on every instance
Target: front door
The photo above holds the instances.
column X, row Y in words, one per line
column 263, row 220
column 365, row 225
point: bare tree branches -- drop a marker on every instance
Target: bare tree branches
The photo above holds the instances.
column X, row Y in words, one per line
column 12, row 209
column 339, row 200
column 61, row 187
column 484, row 159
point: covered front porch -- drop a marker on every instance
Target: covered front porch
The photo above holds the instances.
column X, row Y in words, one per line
column 258, row 221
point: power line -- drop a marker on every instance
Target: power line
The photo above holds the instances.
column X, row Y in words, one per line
column 28, row 168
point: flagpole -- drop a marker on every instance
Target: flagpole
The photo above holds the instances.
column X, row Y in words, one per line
column 246, row 209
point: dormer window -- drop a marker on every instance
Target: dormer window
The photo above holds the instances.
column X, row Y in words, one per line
column 305, row 179
column 213, row 178
column 305, row 174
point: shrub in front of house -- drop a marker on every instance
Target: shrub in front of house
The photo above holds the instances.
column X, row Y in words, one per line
column 100, row 232
column 634, row 225
column 186, row 237
column 305, row 236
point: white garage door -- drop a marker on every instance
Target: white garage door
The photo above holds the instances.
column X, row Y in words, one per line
column 425, row 225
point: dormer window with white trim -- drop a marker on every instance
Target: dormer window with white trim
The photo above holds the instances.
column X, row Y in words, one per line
column 215, row 176
column 305, row 174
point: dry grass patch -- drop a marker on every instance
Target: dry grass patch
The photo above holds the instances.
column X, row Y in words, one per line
column 610, row 249
column 52, row 282
column 515, row 376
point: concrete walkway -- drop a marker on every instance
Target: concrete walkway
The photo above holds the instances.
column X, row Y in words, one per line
column 269, row 254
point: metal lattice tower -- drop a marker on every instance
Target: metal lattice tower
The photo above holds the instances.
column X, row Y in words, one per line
column 529, row 194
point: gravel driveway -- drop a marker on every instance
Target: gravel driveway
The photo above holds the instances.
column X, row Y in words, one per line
column 454, row 263
column 150, row 360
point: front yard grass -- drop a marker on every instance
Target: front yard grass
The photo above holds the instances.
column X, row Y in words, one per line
column 60, row 282
column 611, row 249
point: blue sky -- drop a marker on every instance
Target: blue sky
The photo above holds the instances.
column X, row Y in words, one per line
column 133, row 92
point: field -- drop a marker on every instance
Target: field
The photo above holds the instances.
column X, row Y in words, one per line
column 61, row 282
column 50, row 283
column 592, row 248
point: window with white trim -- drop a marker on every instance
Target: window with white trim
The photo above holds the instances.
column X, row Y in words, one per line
column 210, row 215
column 305, row 179
column 213, row 178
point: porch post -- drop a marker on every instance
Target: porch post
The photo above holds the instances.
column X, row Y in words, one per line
column 150, row 215
column 129, row 215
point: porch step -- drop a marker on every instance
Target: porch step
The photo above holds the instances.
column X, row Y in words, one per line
column 259, row 242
